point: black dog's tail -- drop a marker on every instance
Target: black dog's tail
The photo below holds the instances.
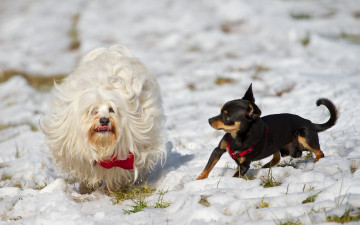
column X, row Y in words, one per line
column 333, row 114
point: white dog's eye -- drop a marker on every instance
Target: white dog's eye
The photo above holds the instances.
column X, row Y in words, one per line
column 111, row 110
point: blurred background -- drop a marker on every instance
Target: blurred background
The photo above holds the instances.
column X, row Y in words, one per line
column 194, row 39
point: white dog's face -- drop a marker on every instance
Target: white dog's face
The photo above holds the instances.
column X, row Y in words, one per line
column 103, row 129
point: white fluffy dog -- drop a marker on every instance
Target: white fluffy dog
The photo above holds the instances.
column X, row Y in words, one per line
column 106, row 120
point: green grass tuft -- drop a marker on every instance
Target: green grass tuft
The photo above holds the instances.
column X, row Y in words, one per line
column 354, row 38
column 5, row 177
column 290, row 222
column 40, row 82
column 309, row 155
column 348, row 216
column 300, row 16
column 140, row 204
column 224, row 80
column 269, row 181
column 262, row 204
column 311, row 198
column 160, row 202
column 204, row 200
column 131, row 193
column 353, row 168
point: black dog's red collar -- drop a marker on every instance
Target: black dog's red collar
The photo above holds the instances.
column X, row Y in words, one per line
column 245, row 152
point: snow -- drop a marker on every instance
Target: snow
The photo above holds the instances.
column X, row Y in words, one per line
column 188, row 45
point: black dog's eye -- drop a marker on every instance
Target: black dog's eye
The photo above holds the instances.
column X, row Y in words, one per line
column 225, row 118
column 111, row 110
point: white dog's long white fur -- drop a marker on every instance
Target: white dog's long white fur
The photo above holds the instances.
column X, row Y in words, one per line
column 106, row 79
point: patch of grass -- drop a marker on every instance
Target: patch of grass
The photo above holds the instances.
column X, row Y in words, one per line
column 133, row 192
column 16, row 218
column 160, row 202
column 262, row 68
column 194, row 48
column 356, row 14
column 288, row 89
column 290, row 222
column 191, row 86
column 348, row 216
column 262, row 204
column 74, row 33
column 300, row 16
column 230, row 26
column 39, row 187
column 204, row 200
column 308, row 156
column 140, row 204
column 5, row 177
column 224, row 80
column 249, row 177
column 269, row 181
column 32, row 127
column 18, row 185
column 258, row 70
column 311, row 198
column 310, row 189
column 70, row 180
column 305, row 41
column 39, row 82
column 355, row 38
column 138, row 197
column 353, row 168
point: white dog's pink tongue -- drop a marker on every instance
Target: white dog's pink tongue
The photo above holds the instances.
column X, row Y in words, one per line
column 103, row 128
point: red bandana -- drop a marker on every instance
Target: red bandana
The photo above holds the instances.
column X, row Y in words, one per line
column 127, row 164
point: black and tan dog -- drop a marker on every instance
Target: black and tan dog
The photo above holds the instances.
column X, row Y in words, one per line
column 249, row 137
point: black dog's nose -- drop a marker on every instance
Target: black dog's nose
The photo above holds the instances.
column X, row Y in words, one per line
column 211, row 121
column 104, row 121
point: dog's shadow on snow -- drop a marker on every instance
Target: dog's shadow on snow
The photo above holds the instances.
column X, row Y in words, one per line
column 173, row 161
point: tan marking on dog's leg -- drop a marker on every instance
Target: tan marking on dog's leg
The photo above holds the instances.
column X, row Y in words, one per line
column 274, row 160
column 205, row 173
column 318, row 153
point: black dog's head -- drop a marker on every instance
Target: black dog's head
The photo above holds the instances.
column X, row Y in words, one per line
column 236, row 114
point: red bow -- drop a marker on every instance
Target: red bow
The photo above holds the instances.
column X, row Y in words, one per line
column 126, row 164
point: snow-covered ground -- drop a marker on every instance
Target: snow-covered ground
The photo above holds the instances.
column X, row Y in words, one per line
column 293, row 52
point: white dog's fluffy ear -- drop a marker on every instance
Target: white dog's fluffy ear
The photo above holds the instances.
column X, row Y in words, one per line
column 116, row 49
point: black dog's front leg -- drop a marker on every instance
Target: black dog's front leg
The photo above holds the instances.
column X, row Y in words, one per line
column 214, row 158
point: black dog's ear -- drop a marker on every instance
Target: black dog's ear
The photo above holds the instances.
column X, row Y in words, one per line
column 254, row 111
column 249, row 95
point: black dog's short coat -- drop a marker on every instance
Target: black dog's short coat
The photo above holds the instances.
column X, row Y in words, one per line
column 249, row 137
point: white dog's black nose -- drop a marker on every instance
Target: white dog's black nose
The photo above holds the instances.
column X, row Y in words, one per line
column 104, row 121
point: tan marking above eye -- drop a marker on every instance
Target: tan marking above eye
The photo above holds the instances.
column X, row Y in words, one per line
column 232, row 128
column 225, row 111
